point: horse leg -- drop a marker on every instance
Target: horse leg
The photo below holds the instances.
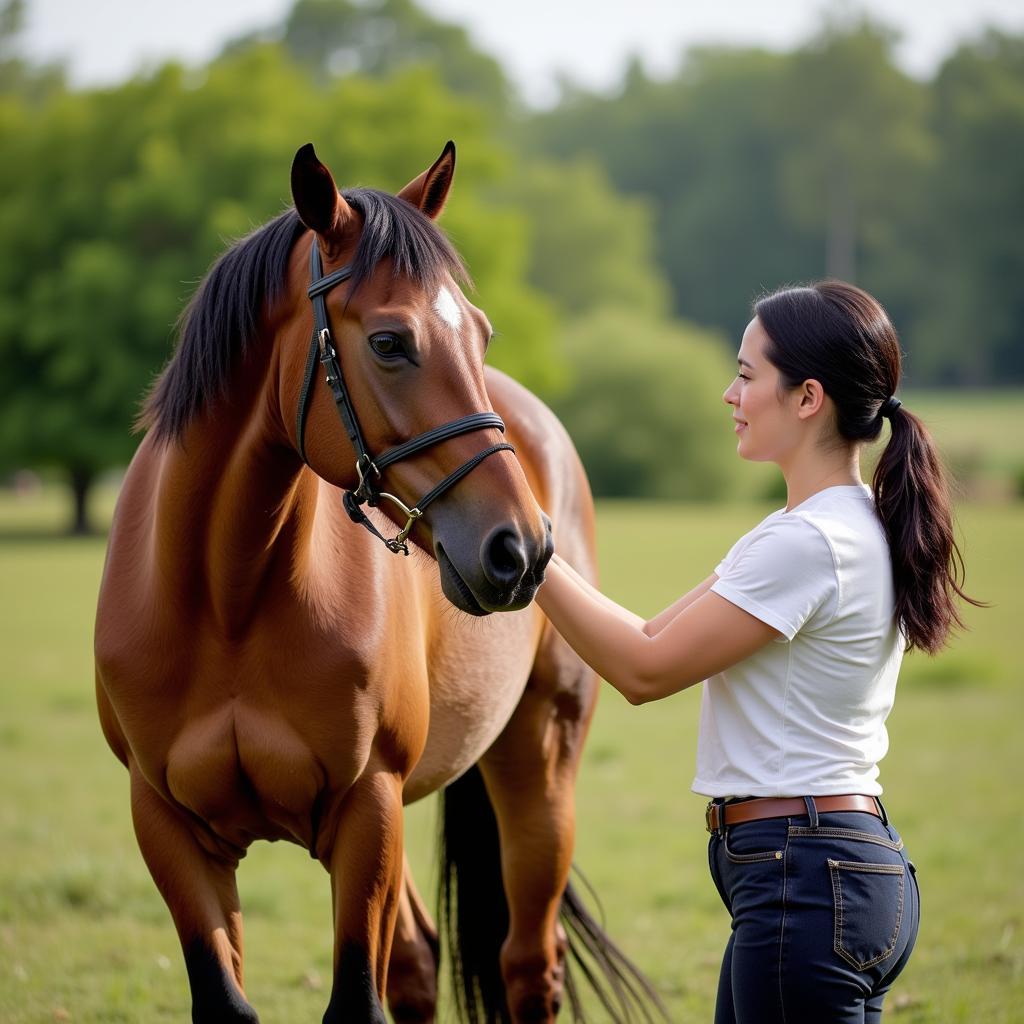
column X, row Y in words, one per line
column 365, row 862
column 200, row 891
column 412, row 969
column 529, row 773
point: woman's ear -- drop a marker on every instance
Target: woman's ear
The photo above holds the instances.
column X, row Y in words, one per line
column 812, row 398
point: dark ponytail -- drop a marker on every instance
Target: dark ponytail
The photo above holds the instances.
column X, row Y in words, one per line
column 842, row 337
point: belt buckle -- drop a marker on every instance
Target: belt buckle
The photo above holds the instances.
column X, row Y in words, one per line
column 707, row 817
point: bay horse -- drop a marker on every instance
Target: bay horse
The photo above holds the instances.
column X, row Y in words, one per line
column 267, row 670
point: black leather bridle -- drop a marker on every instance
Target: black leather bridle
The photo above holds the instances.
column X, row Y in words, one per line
column 369, row 469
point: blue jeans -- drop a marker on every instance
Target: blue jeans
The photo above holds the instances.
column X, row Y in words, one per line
column 825, row 912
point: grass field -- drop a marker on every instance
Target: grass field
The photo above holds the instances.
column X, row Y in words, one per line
column 84, row 936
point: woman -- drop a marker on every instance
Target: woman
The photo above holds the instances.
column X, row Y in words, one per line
column 799, row 633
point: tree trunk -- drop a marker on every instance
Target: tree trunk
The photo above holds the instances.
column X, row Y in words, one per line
column 81, row 482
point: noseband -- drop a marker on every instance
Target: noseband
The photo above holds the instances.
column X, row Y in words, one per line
column 369, row 470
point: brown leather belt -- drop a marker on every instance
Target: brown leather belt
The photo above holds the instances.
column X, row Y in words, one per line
column 791, row 807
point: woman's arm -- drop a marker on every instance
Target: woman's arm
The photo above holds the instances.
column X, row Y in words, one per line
column 623, row 613
column 705, row 637
column 655, row 625
column 662, row 619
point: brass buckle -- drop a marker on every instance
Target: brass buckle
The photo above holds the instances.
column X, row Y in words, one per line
column 398, row 544
column 707, row 816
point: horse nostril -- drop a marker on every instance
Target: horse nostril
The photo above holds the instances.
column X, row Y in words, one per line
column 504, row 560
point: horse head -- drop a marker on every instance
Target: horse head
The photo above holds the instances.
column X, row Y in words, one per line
column 408, row 351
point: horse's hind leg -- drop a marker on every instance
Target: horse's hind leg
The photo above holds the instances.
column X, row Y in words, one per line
column 529, row 773
column 412, row 969
column 365, row 862
column 202, row 896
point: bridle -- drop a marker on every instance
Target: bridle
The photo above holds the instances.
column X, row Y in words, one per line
column 369, row 469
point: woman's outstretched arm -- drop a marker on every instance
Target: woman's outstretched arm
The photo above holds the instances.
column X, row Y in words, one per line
column 703, row 638
column 662, row 619
column 624, row 613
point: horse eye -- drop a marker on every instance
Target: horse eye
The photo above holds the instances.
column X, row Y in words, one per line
column 387, row 346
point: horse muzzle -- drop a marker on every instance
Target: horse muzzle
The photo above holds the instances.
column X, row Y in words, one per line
column 504, row 574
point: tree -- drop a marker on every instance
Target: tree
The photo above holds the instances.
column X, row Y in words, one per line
column 588, row 245
column 766, row 169
column 705, row 148
column 970, row 330
column 858, row 161
column 379, row 38
column 726, row 234
column 17, row 76
column 645, row 409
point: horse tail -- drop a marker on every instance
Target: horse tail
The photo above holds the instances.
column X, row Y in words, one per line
column 626, row 994
column 473, row 917
column 472, row 911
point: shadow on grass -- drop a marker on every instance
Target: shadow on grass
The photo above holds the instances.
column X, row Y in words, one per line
column 954, row 670
column 15, row 535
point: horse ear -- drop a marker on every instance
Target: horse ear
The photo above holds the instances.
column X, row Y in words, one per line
column 319, row 204
column 429, row 191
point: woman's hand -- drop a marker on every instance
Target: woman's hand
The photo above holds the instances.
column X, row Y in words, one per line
column 705, row 636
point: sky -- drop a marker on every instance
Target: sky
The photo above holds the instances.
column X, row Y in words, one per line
column 538, row 41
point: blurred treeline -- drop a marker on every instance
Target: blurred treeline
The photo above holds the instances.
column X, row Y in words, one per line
column 616, row 241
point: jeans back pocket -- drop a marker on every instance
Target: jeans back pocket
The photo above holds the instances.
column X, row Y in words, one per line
column 868, row 910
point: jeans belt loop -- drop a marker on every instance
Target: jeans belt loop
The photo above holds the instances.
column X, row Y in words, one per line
column 812, row 811
column 881, row 811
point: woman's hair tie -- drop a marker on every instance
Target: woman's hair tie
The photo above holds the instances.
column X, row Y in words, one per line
column 889, row 406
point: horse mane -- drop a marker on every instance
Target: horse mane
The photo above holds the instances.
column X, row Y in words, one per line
column 223, row 317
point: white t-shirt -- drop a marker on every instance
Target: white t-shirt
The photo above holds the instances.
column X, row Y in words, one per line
column 805, row 715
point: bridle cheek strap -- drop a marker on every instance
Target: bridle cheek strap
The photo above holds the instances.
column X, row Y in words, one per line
column 368, row 469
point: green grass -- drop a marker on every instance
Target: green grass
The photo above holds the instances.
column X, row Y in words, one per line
column 85, row 937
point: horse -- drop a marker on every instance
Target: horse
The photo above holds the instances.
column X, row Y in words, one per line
column 266, row 670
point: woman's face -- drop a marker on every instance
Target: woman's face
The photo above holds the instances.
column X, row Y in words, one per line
column 767, row 426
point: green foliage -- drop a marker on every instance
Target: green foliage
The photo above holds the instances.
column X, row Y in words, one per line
column 645, row 408
column 339, row 38
column 743, row 171
column 858, row 145
column 706, row 148
column 970, row 331
column 768, row 168
column 588, row 245
column 31, row 83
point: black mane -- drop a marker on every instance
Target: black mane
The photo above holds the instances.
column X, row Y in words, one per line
column 223, row 317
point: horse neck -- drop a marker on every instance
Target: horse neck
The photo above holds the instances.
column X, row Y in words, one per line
column 234, row 507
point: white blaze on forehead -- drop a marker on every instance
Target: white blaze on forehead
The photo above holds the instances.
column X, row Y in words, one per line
column 448, row 309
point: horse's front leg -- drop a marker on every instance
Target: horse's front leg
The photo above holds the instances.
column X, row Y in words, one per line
column 202, row 896
column 365, row 863
column 530, row 773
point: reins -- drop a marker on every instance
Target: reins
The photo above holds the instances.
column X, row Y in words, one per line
column 368, row 469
